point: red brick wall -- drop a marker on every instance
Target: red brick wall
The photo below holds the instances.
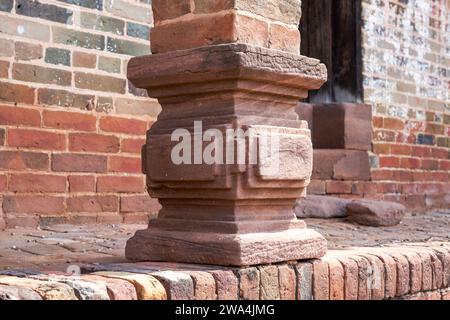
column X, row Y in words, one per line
column 71, row 125
column 63, row 166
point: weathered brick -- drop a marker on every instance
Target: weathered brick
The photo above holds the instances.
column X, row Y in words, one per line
column 4, row 67
column 390, row 268
column 125, row 47
column 130, row 11
column 125, row 165
column 33, row 204
column 120, row 184
column 118, row 289
column 99, row 82
column 2, row 136
column 37, row 183
column 148, row 107
column 444, row 256
column 36, row 139
column 336, row 278
column 351, row 277
column 69, row 120
column 81, row 183
column 57, row 56
column 146, row 286
column 45, row 11
column 6, row 48
column 132, row 145
column 78, row 38
column 108, row 64
column 403, row 275
column 132, row 89
column 109, row 218
column 337, row 187
column 136, row 30
column 426, row 139
column 321, row 280
column 19, row 116
column 31, row 73
column 91, row 4
column 104, row 104
column 178, row 285
column 84, row 60
column 227, row 285
column 3, row 187
column 93, row 142
column 141, row 218
column 269, row 283
column 16, row 93
column 22, row 160
column 123, row 125
column 93, row 204
column 79, row 163
column 364, row 293
column 64, row 98
column 287, row 282
column 438, row 271
column 440, row 153
column 102, row 23
column 24, row 28
column 6, row 5
column 28, row 51
column 141, row 203
column 389, row 162
column 376, row 277
column 204, row 285
column 249, row 284
column 23, row 221
column 304, row 281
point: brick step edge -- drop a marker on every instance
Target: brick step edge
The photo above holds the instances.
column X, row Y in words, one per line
column 410, row 271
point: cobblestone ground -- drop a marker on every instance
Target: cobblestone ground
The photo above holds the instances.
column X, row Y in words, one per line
column 60, row 246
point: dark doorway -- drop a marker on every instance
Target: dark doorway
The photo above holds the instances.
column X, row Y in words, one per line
column 331, row 32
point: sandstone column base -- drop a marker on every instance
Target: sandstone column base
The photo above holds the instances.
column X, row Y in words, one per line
column 238, row 213
column 226, row 249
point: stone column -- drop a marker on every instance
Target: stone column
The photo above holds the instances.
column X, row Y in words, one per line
column 227, row 65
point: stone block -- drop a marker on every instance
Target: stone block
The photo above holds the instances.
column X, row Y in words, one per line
column 341, row 164
column 321, row 207
column 375, row 213
column 342, row 126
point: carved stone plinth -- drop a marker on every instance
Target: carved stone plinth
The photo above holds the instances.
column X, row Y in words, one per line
column 228, row 214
